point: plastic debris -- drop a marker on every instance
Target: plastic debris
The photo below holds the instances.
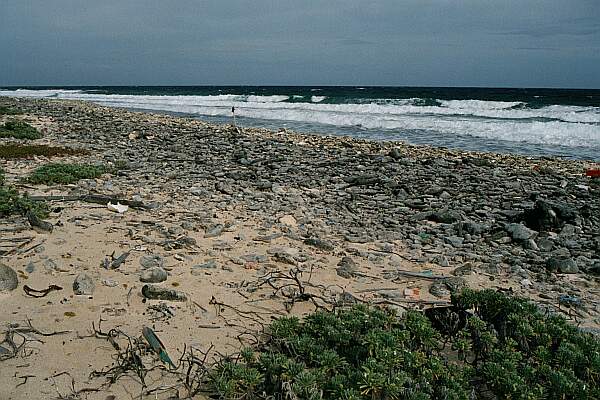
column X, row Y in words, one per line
column 120, row 208
column 593, row 172
column 157, row 345
column 526, row 282
column 569, row 301
column 412, row 293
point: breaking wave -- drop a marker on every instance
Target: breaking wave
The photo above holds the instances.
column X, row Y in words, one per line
column 560, row 125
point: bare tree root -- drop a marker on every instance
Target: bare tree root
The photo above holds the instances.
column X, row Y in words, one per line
column 293, row 289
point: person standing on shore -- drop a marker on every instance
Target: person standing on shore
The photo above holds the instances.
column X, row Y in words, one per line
column 233, row 114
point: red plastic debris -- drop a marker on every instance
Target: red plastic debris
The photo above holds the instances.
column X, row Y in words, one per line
column 593, row 172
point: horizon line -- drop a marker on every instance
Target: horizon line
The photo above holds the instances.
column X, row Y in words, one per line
column 310, row 86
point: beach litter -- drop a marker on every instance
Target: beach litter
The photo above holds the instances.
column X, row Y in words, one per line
column 119, row 208
column 593, row 172
column 412, row 293
column 157, row 345
column 569, row 301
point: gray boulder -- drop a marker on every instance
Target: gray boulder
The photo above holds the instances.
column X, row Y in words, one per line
column 8, row 278
column 564, row 265
column 151, row 261
column 346, row 268
column 154, row 275
column 520, row 232
column 446, row 286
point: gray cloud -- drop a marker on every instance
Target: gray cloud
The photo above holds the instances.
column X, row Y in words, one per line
column 361, row 42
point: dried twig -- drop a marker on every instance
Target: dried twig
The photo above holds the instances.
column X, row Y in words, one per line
column 220, row 307
column 29, row 291
column 33, row 247
column 75, row 394
column 25, row 378
column 17, row 338
column 294, row 289
column 20, row 246
column 196, row 370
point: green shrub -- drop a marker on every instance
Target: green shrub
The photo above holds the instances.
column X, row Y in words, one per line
column 4, row 110
column 487, row 345
column 64, row 173
column 522, row 353
column 19, row 130
column 11, row 202
column 11, row 150
column 360, row 353
column 2, row 178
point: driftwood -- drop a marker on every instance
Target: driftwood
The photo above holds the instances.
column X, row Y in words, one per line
column 33, row 247
column 411, row 274
column 15, row 239
column 400, row 302
column 39, row 223
column 18, row 247
column 93, row 198
column 14, row 229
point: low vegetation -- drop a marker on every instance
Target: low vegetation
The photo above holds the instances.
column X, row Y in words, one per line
column 12, row 150
column 486, row 345
column 19, row 130
column 59, row 173
column 14, row 203
column 4, row 110
column 11, row 202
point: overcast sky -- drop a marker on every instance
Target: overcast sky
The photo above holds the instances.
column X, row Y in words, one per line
column 508, row 43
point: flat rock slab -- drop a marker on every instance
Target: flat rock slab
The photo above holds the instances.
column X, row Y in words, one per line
column 319, row 244
column 520, row 232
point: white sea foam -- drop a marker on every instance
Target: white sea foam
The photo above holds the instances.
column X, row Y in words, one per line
column 38, row 93
column 266, row 99
column 572, row 126
column 478, row 104
column 317, row 99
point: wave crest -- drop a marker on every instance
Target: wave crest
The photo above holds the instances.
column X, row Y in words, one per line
column 573, row 126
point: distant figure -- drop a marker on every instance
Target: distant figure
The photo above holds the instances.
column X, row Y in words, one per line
column 233, row 114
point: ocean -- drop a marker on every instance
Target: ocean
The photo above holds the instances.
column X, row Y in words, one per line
column 539, row 122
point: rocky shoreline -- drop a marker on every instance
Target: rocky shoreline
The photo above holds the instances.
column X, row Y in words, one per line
column 225, row 212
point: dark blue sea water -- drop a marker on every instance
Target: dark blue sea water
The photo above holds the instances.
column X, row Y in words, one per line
column 553, row 122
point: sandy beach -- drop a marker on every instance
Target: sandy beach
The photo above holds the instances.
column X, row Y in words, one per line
column 236, row 227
